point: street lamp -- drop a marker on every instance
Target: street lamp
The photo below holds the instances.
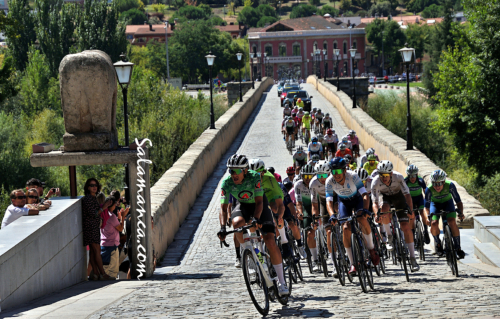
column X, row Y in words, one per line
column 324, row 63
column 210, row 61
column 336, row 52
column 264, row 55
column 353, row 55
column 251, row 61
column 318, row 63
column 259, row 70
column 166, row 45
column 313, row 63
column 239, row 55
column 267, row 66
column 123, row 71
column 407, row 53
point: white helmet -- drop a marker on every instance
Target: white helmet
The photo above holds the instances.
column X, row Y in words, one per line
column 307, row 169
column 351, row 132
column 385, row 167
column 412, row 170
column 362, row 173
column 237, row 161
column 342, row 146
column 370, row 151
column 345, row 140
column 438, row 176
column 322, row 167
column 256, row 164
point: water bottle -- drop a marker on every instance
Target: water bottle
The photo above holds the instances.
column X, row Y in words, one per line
column 259, row 255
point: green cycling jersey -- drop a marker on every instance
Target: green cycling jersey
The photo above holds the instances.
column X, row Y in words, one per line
column 271, row 187
column 244, row 192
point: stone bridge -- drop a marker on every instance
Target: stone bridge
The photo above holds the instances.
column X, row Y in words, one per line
column 196, row 278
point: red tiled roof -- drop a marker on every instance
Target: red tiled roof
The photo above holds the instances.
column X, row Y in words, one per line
column 228, row 28
column 306, row 23
column 144, row 29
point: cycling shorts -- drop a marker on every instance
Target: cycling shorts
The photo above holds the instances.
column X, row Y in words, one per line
column 290, row 130
column 418, row 201
column 301, row 162
column 447, row 206
column 347, row 206
column 399, row 202
column 322, row 211
column 246, row 210
column 327, row 125
column 332, row 147
column 355, row 148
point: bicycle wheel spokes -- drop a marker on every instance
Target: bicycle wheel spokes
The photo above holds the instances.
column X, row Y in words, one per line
column 452, row 252
column 420, row 240
column 255, row 283
column 359, row 262
column 403, row 253
column 338, row 258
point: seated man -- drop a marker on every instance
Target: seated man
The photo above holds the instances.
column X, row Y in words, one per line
column 17, row 209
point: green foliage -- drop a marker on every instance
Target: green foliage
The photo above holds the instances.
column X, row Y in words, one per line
column 468, row 90
column 328, row 9
column 192, row 13
column 381, row 8
column 433, row 11
column 345, row 4
column 20, row 34
column 417, row 36
column 159, row 7
column 362, row 13
column 315, row 2
column 248, row 3
column 133, row 16
column 266, row 20
column 216, row 20
column 303, row 10
column 249, row 16
column 125, row 5
column 390, row 34
column 419, row 5
column 7, row 85
column 178, row 4
column 266, row 10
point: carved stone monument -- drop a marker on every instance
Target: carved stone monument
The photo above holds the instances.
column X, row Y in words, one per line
column 88, row 98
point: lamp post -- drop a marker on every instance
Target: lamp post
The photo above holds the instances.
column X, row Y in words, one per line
column 313, row 70
column 166, row 46
column 407, row 53
column 210, row 61
column 267, row 67
column 318, row 63
column 123, row 71
column 239, row 55
column 258, row 65
column 324, row 63
column 336, row 52
column 264, row 55
column 251, row 61
column 353, row 55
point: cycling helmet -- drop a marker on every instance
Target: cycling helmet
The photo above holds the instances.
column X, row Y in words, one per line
column 300, row 149
column 306, row 113
column 287, row 105
column 438, row 176
column 327, row 114
column 294, row 115
column 412, row 170
column 270, row 169
column 362, row 173
column 296, row 108
column 315, row 158
column 299, row 100
column 314, row 140
column 372, row 150
column 345, row 140
column 351, row 132
column 322, row 167
column 329, row 131
column 369, row 152
column 338, row 163
column 307, row 169
column 288, row 186
column 290, row 170
column 372, row 157
column 319, row 110
column 237, row 161
column 342, row 146
column 385, row 167
column 256, row 164
column 314, row 109
column 301, row 109
column 348, row 158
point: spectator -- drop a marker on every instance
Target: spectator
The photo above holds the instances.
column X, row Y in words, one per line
column 33, row 200
column 17, row 209
column 101, row 199
column 36, row 183
column 91, row 232
column 110, row 238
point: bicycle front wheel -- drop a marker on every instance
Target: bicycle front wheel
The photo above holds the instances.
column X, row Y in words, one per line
column 402, row 251
column 255, row 283
column 420, row 240
column 452, row 252
column 338, row 258
column 359, row 263
column 323, row 255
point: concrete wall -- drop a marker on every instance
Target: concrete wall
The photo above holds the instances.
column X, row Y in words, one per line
column 233, row 91
column 390, row 146
column 176, row 191
column 42, row 253
column 345, row 85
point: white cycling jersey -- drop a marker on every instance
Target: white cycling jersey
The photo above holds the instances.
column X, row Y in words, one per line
column 302, row 192
column 348, row 144
column 317, row 190
column 331, row 138
column 297, row 178
column 397, row 185
column 351, row 187
column 315, row 147
column 300, row 114
column 287, row 111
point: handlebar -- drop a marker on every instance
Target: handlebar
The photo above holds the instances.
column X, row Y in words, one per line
column 237, row 230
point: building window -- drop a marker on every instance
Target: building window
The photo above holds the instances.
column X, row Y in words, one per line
column 315, row 46
column 325, row 46
column 282, row 51
column 354, row 44
column 269, row 50
column 254, row 49
column 335, row 44
column 296, row 50
column 345, row 47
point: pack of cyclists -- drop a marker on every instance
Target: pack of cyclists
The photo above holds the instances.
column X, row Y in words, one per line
column 326, row 186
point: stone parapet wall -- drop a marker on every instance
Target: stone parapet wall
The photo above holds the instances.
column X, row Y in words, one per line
column 389, row 146
column 233, row 91
column 173, row 195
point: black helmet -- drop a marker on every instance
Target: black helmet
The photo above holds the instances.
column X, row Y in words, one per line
column 270, row 169
column 338, row 163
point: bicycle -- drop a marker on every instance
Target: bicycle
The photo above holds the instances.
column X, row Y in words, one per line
column 449, row 247
column 379, row 247
column 321, row 244
column 340, row 259
column 296, row 257
column 419, row 235
column 307, row 136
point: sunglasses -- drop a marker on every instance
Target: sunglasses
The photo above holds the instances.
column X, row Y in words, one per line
column 337, row 171
column 321, row 175
column 385, row 175
column 307, row 176
column 371, row 161
column 21, row 197
column 438, row 184
column 235, row 171
column 413, row 176
column 92, row 185
column 291, row 174
column 32, row 196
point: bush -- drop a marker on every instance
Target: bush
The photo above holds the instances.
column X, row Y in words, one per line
column 266, row 10
column 125, row 5
column 315, row 2
column 192, row 13
column 433, row 11
column 133, row 16
column 328, row 9
column 249, row 16
column 266, row 20
column 362, row 13
column 380, row 8
column 303, row 10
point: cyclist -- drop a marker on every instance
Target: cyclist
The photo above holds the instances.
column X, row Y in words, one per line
column 318, row 198
column 295, row 109
column 287, row 111
column 271, row 170
column 347, row 143
column 314, row 159
column 371, row 165
column 355, row 143
column 290, row 216
column 351, row 162
column 364, row 158
column 300, row 103
column 351, row 195
column 299, row 157
column 343, row 150
column 245, row 186
column 416, row 185
column 289, row 127
column 327, row 123
column 331, row 139
column 393, row 189
column 297, row 125
column 306, row 123
column 319, row 119
column 439, row 195
column 315, row 147
column 321, row 140
column 290, row 173
column 304, row 208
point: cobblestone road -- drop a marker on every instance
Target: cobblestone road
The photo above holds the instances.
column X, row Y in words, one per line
column 206, row 285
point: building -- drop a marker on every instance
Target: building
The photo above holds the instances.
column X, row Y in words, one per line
column 236, row 31
column 4, row 5
column 292, row 44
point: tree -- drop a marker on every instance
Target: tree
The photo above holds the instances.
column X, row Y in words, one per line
column 390, row 34
column 433, row 11
column 266, row 10
column 381, row 8
column 21, row 33
column 249, row 16
column 417, row 35
column 328, row 9
column 266, row 21
column 125, row 5
column 468, row 90
column 133, row 16
column 365, row 4
column 303, row 10
column 192, row 13
column 419, row 5
column 248, row 3
column 315, row 2
column 345, row 4
column 230, row 8
column 159, row 7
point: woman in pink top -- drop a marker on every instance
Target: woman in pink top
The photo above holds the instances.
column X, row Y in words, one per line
column 110, row 238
